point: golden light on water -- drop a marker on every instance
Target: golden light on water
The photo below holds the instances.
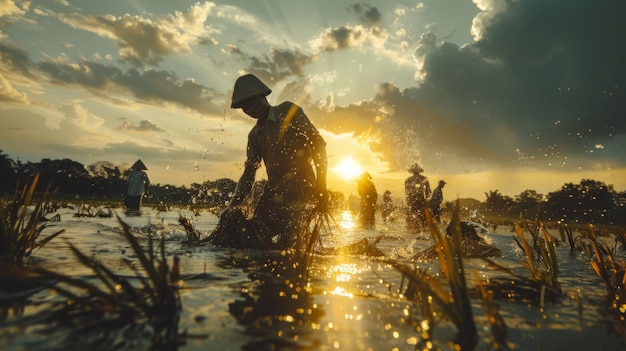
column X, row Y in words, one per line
column 343, row 272
column 347, row 220
column 339, row 291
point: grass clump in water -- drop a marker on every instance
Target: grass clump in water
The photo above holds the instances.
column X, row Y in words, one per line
column 613, row 275
column 21, row 226
column 452, row 302
column 124, row 312
column 542, row 263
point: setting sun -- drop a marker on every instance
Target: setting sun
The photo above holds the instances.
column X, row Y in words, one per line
column 348, row 169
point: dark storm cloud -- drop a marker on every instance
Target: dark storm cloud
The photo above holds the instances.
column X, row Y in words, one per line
column 154, row 86
column 543, row 85
column 279, row 64
column 369, row 15
column 14, row 58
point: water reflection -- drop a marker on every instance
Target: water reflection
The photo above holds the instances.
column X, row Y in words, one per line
column 276, row 307
column 347, row 221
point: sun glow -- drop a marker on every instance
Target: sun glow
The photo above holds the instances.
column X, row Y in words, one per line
column 348, row 169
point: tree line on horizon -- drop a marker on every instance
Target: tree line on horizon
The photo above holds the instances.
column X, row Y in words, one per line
column 590, row 201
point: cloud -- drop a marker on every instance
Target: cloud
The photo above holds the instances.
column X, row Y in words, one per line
column 14, row 59
column 344, row 37
column 142, row 126
column 369, row 15
column 10, row 94
column 144, row 41
column 150, row 86
column 8, row 8
column 541, row 87
column 278, row 65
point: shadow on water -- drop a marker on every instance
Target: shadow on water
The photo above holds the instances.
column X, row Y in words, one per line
column 275, row 306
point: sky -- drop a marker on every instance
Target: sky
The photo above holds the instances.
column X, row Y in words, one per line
column 507, row 95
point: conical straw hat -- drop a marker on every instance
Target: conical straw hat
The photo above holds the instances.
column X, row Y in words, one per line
column 246, row 87
column 415, row 168
column 139, row 165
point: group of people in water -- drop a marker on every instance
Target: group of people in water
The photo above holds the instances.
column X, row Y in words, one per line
column 418, row 197
column 294, row 155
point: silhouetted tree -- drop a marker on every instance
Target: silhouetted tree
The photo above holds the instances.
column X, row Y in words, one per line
column 589, row 202
column 8, row 174
column 528, row 204
column 498, row 204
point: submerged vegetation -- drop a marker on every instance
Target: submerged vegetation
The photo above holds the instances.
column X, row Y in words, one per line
column 613, row 275
column 21, row 224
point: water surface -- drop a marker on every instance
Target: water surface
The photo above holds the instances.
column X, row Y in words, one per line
column 350, row 302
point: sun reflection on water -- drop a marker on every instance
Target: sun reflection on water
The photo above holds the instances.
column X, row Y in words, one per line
column 347, row 220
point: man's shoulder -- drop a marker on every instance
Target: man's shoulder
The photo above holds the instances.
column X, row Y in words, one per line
column 287, row 106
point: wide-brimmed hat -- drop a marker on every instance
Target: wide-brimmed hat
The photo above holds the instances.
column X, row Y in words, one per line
column 442, row 182
column 139, row 166
column 246, row 87
column 416, row 168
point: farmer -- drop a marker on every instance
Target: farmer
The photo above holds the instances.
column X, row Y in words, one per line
column 294, row 155
column 387, row 207
column 417, row 191
column 138, row 182
column 434, row 204
column 368, row 194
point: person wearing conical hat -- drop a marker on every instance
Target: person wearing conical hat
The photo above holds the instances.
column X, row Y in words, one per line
column 387, row 207
column 369, row 196
column 434, row 204
column 294, row 155
column 417, row 191
column 138, row 182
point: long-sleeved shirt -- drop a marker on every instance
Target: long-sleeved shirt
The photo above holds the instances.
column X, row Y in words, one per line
column 138, row 181
column 417, row 189
column 289, row 145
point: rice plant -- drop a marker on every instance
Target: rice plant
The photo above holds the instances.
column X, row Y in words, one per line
column 613, row 276
column 21, row 224
column 452, row 301
column 543, row 282
column 566, row 232
column 317, row 220
column 146, row 304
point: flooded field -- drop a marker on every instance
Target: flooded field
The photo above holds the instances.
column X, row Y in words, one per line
column 350, row 302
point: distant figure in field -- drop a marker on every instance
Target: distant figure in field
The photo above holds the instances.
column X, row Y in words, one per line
column 386, row 207
column 434, row 204
column 417, row 191
column 368, row 194
column 138, row 182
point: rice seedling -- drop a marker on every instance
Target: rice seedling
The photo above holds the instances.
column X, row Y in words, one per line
column 146, row 304
column 566, row 232
column 453, row 301
column 543, row 282
column 20, row 225
column 613, row 276
column 620, row 237
column 317, row 220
